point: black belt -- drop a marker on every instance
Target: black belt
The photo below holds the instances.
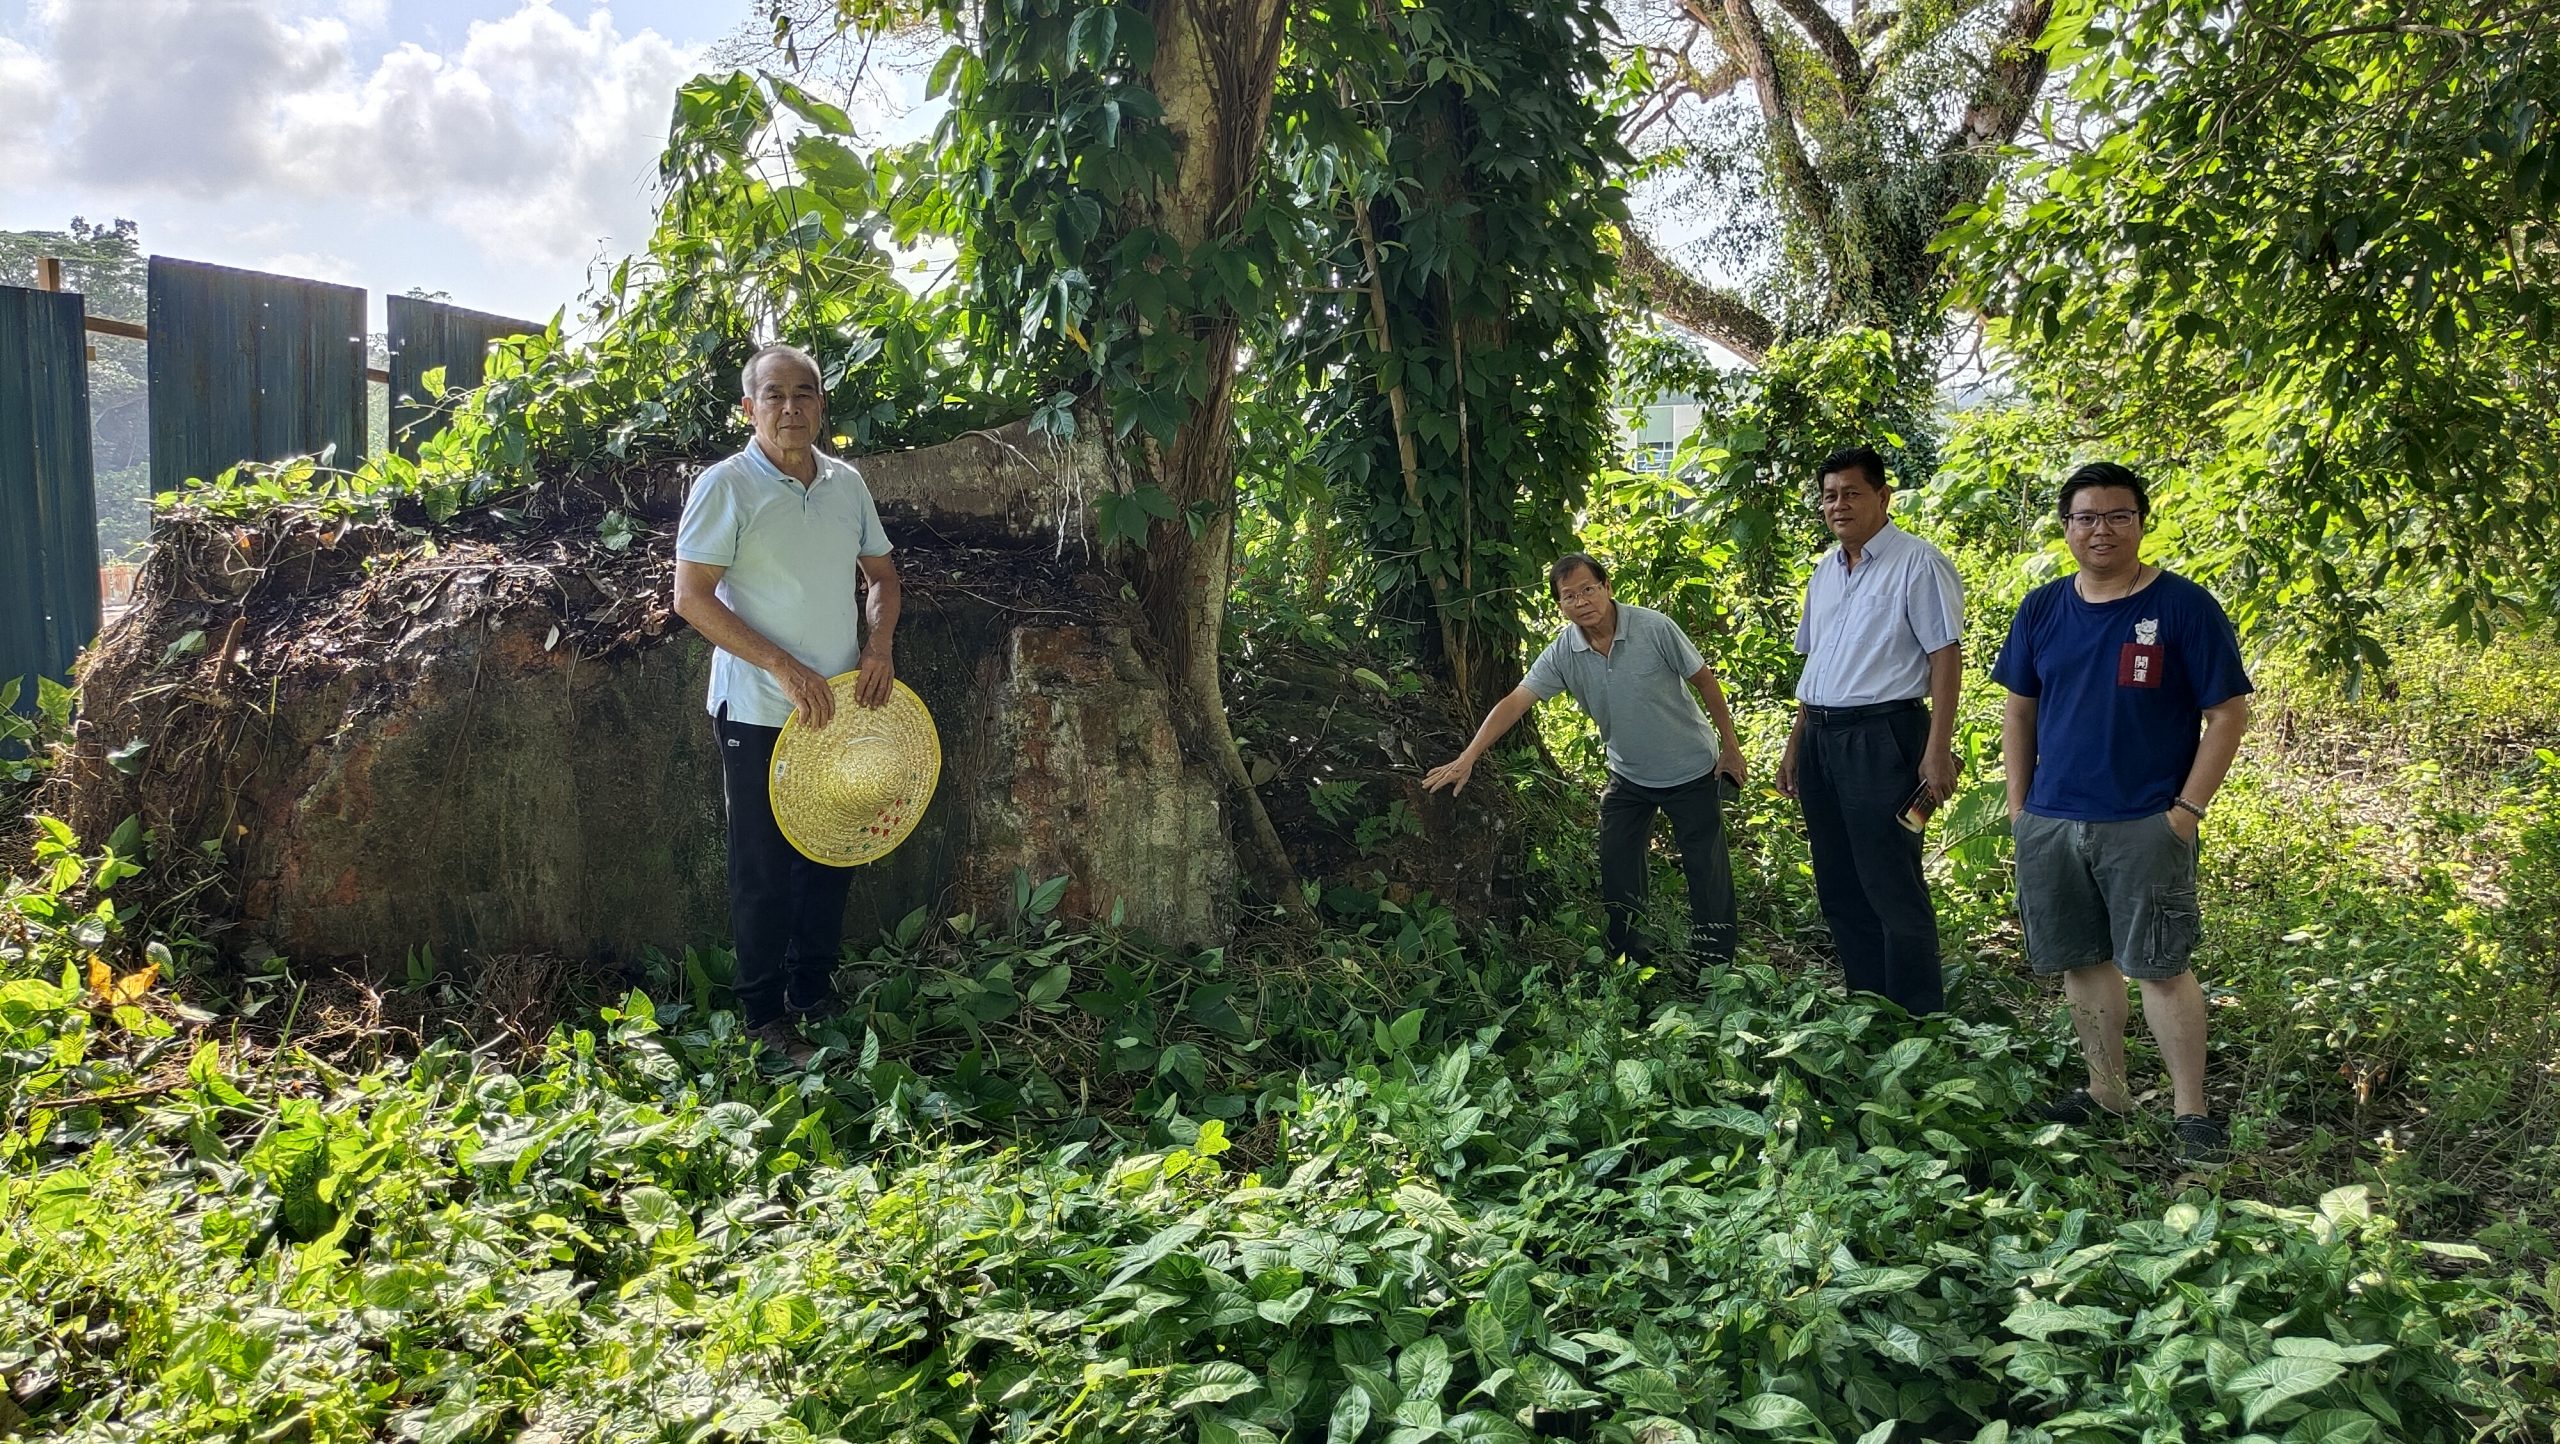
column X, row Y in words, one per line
column 1834, row 716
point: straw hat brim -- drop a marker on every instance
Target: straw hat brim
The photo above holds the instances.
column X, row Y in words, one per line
column 851, row 791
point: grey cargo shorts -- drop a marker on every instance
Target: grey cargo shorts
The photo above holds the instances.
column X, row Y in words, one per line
column 2094, row 892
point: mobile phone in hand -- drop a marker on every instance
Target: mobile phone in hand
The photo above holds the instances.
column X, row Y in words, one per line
column 1915, row 809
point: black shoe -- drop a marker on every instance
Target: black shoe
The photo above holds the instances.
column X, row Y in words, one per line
column 1712, row 946
column 2201, row 1143
column 2075, row 1107
column 779, row 1036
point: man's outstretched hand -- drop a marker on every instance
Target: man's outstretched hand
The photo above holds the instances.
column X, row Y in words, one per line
column 1451, row 775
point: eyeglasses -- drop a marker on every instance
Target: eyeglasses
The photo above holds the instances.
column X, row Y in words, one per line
column 1581, row 594
column 2097, row 520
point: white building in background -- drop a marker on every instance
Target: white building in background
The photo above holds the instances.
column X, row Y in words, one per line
column 1658, row 430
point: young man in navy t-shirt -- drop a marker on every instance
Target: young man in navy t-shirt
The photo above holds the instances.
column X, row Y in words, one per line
column 2127, row 699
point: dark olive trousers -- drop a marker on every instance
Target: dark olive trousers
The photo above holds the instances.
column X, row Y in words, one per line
column 786, row 913
column 1696, row 810
column 1852, row 775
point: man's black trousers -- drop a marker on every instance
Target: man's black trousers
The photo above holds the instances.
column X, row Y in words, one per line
column 786, row 913
column 1696, row 810
column 1853, row 774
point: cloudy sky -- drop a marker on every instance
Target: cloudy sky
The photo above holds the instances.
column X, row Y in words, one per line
column 490, row 148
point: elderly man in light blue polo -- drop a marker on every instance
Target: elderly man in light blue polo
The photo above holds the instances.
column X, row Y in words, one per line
column 1642, row 680
column 1883, row 626
column 779, row 560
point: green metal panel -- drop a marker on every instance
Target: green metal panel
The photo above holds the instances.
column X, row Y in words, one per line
column 251, row 367
column 48, row 497
column 430, row 334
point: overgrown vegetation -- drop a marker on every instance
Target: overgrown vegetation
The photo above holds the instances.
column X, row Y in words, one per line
column 2310, row 263
column 1762, row 1211
column 1382, row 1177
column 1385, row 1181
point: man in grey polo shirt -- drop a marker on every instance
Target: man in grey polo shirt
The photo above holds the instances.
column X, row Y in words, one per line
column 1634, row 670
column 767, row 560
column 1883, row 619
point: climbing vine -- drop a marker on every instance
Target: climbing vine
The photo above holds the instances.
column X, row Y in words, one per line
column 1459, row 164
column 1102, row 165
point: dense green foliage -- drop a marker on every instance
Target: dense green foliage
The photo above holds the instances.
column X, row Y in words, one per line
column 2313, row 266
column 1381, row 1182
column 1763, row 1214
column 1456, row 385
column 740, row 255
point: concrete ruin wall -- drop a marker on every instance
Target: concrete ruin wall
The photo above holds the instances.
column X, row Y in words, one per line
column 502, row 747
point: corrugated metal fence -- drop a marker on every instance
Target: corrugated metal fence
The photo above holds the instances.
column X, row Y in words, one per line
column 242, row 366
column 48, row 498
column 251, row 367
column 426, row 335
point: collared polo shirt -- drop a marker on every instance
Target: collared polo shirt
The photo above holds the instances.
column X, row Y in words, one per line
column 1867, row 633
column 1638, row 695
column 792, row 553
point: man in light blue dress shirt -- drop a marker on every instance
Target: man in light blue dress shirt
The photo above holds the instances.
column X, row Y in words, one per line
column 779, row 558
column 1882, row 629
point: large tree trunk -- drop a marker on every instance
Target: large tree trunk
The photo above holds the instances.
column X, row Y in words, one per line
column 1217, row 62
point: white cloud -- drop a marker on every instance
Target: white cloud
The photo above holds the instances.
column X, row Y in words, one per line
column 28, row 100
column 536, row 136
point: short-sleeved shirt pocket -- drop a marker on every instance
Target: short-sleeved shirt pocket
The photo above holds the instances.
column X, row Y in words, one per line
column 1876, row 609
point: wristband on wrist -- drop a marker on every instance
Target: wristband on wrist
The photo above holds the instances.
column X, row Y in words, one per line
column 2184, row 805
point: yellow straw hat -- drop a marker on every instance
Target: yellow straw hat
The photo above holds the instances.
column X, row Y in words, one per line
column 850, row 791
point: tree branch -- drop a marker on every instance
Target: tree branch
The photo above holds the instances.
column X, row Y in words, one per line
column 1748, row 40
column 1704, row 84
column 1684, row 300
column 1678, row 78
column 2012, row 76
column 1848, row 71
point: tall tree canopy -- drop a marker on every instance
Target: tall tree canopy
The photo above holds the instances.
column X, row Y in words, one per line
column 2305, row 253
column 1821, row 147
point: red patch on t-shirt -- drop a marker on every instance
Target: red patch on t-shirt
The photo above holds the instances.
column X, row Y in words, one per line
column 2140, row 666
